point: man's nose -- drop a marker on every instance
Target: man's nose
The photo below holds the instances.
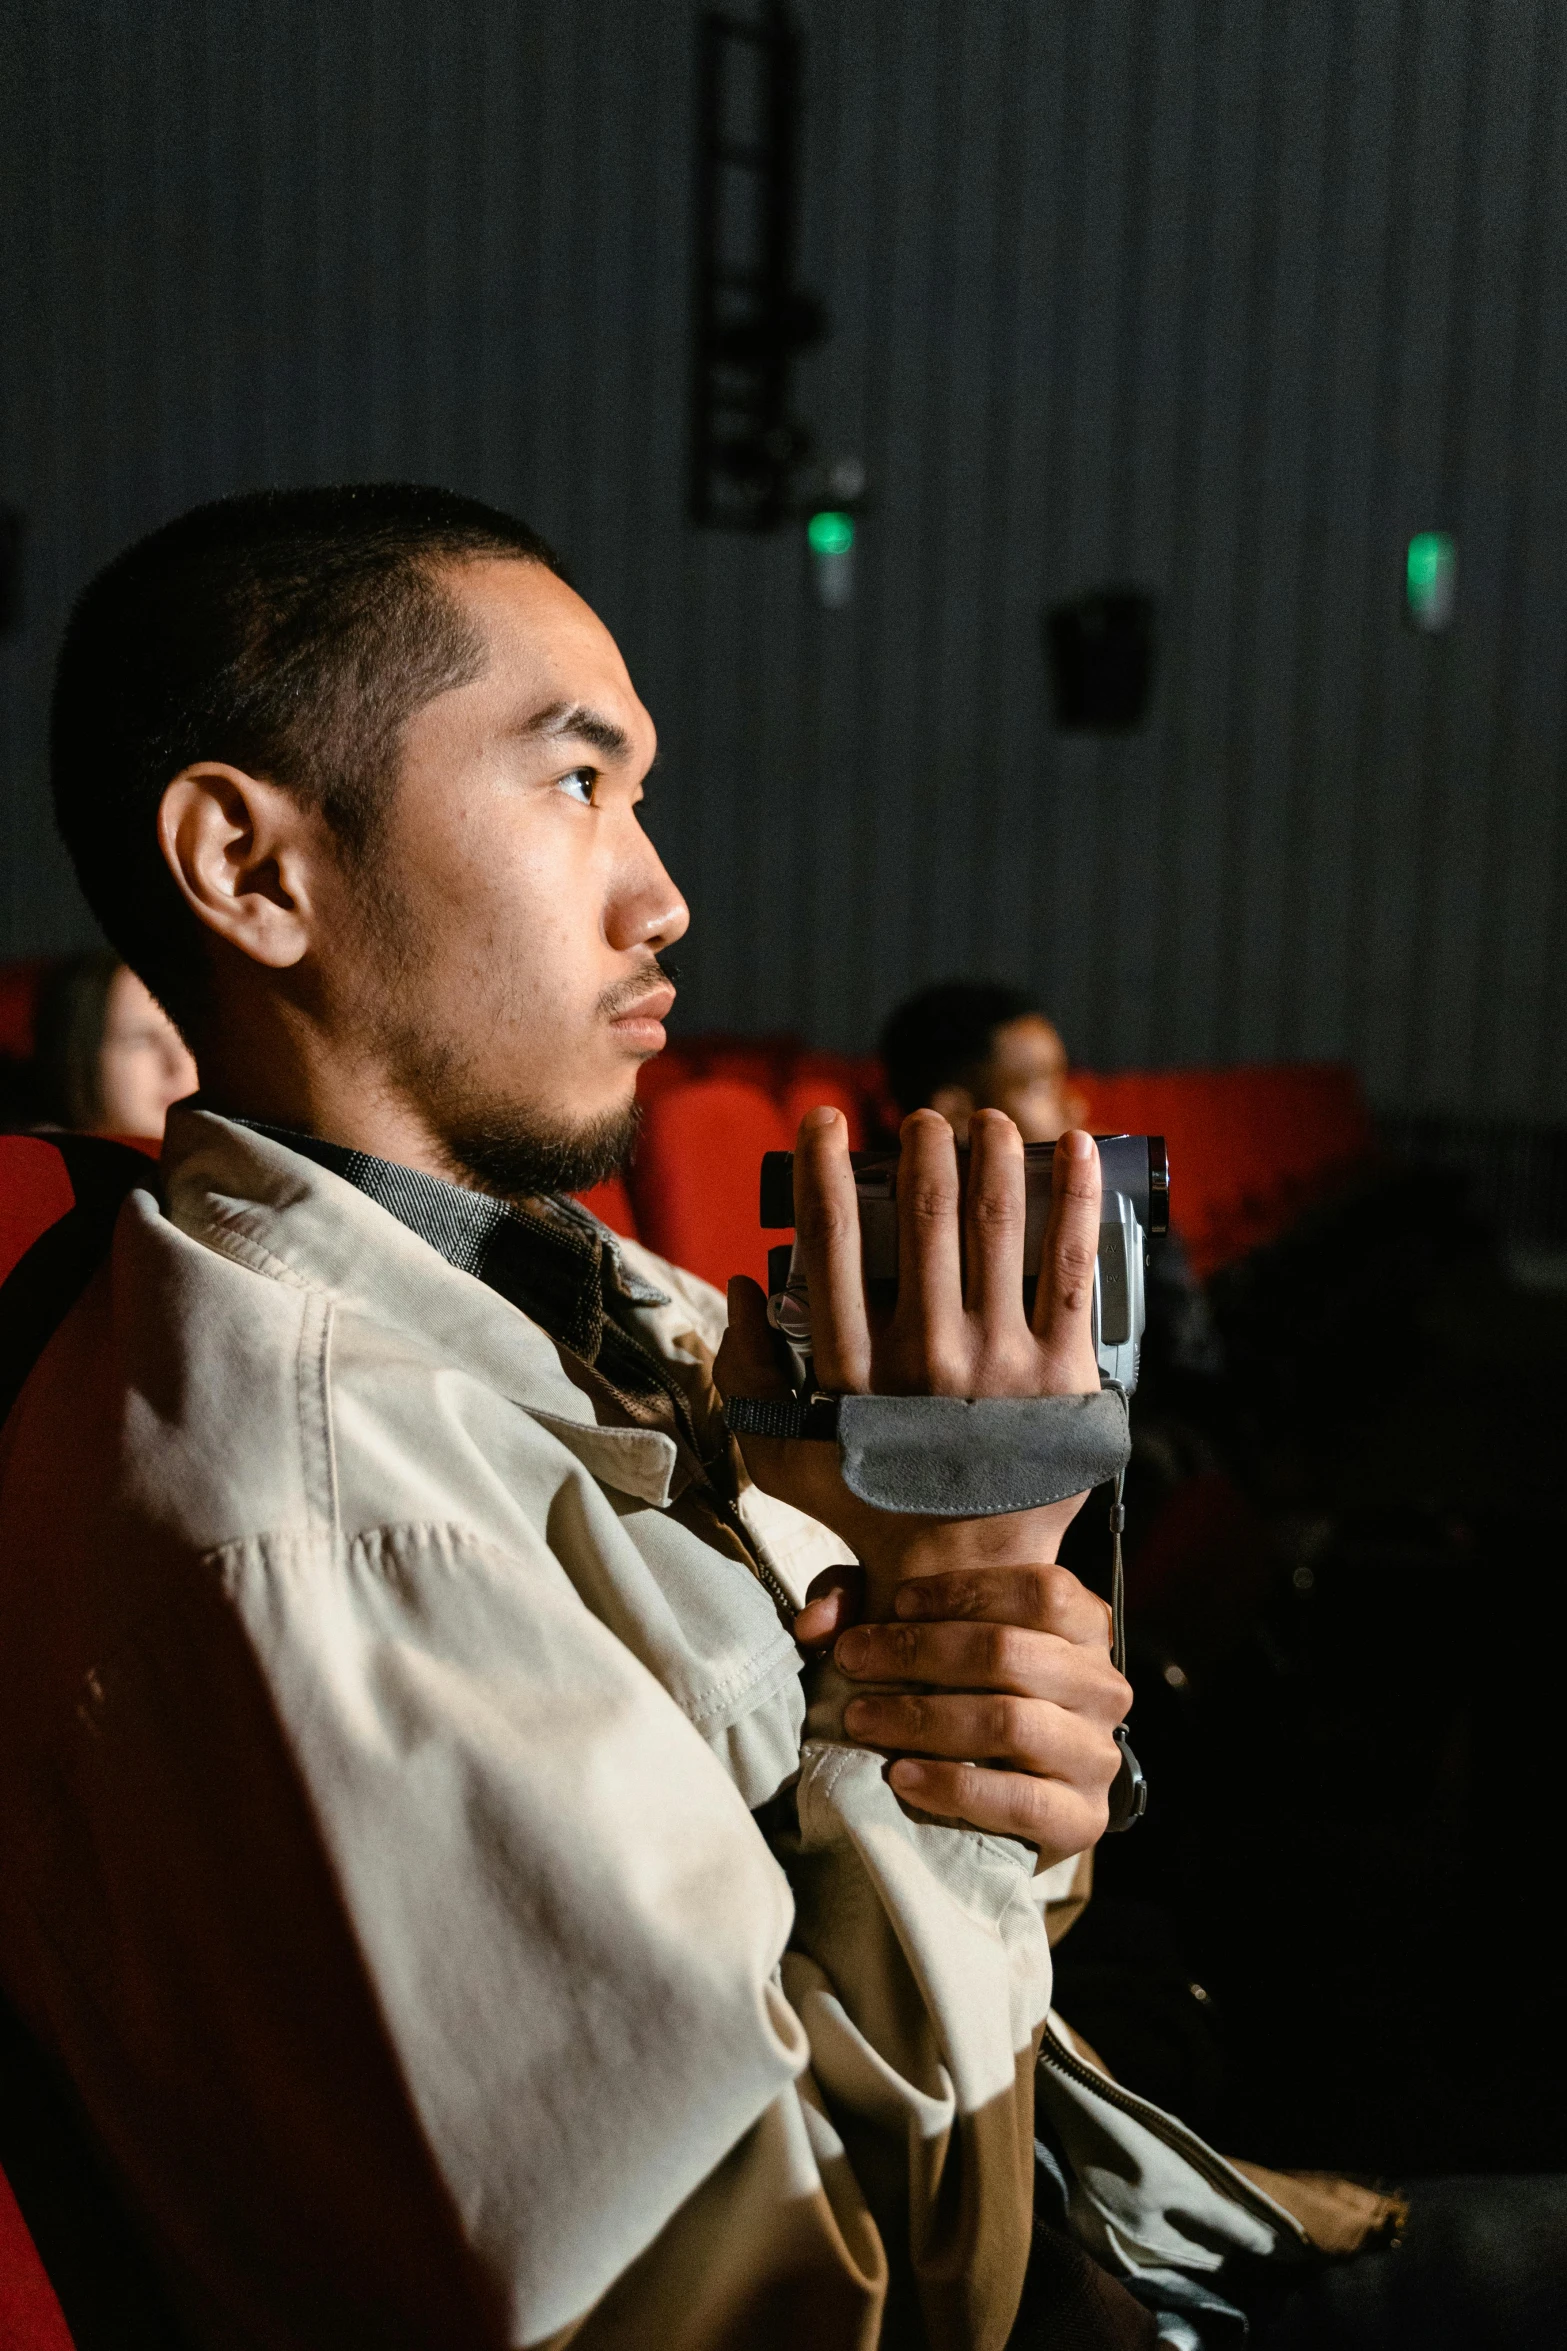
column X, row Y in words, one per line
column 646, row 910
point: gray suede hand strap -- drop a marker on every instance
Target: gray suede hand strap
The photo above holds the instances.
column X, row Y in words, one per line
column 955, row 1456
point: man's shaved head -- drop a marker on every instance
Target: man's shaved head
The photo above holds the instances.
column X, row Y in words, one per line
column 289, row 633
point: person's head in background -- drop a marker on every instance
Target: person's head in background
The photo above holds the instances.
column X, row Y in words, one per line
column 968, row 1045
column 107, row 1059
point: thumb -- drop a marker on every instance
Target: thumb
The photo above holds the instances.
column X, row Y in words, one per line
column 835, row 1600
column 748, row 1363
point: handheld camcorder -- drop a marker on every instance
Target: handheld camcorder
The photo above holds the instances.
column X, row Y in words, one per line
column 1135, row 1206
column 978, row 1457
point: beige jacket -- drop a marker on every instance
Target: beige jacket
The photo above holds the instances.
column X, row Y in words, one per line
column 380, row 1761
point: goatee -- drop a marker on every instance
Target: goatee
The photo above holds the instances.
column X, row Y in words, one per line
column 516, row 1158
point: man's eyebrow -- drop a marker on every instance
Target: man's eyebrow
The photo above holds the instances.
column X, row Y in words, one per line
column 573, row 721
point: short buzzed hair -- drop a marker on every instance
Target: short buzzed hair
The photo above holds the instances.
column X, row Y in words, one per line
column 945, row 1035
column 290, row 633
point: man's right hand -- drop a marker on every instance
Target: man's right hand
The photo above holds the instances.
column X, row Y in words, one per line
column 958, row 1328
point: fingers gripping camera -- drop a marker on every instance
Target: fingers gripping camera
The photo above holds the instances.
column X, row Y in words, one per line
column 950, row 1456
column 979, row 1457
column 1136, row 1207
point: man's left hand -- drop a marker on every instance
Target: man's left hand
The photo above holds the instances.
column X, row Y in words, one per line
column 1011, row 1724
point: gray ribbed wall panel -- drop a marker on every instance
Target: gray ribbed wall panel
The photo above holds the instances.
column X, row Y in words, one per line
column 1226, row 299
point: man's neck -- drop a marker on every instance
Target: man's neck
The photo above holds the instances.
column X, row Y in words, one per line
column 359, row 1111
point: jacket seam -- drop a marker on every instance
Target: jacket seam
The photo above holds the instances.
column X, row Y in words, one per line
column 317, row 1469
column 224, row 1232
column 328, row 1421
column 768, row 1666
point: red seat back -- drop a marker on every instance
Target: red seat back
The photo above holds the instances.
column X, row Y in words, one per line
column 819, row 1078
column 1250, row 1148
column 30, row 2317
column 35, row 1192
column 696, row 1179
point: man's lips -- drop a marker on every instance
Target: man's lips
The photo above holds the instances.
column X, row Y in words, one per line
column 641, row 1021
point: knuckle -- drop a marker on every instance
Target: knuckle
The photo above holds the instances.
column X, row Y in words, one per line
column 1074, row 1259
column 1025, row 1811
column 1057, row 1588
column 923, row 1362
column 930, row 1199
column 826, row 1219
column 1009, row 1724
column 1007, row 1369
column 1003, row 1652
column 902, row 1645
column 912, row 1717
column 959, row 1593
column 996, row 1212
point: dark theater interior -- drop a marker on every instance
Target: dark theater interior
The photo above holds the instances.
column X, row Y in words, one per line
column 1080, row 491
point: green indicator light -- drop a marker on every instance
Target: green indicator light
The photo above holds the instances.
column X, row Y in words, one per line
column 830, row 534
column 1430, row 578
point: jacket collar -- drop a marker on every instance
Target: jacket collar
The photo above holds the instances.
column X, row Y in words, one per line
column 249, row 1197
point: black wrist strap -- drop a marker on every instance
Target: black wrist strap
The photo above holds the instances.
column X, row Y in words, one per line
column 783, row 1416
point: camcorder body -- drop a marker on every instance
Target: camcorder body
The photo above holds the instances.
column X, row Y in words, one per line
column 1135, row 1207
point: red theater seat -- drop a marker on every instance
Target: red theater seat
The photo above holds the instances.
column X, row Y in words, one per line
column 819, row 1078
column 697, row 1174
column 1250, row 1148
column 35, row 1192
column 30, row 2317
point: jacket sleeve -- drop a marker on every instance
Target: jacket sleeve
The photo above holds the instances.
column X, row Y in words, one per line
column 920, row 1967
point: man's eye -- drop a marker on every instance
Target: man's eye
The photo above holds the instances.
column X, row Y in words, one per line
column 579, row 785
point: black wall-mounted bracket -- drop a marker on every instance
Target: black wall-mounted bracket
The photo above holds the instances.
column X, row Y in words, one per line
column 12, row 540
column 748, row 449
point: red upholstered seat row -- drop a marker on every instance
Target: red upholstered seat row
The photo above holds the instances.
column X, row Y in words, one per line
column 1250, row 1149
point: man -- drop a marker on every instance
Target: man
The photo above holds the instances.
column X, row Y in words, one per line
column 967, row 1045
column 459, row 1922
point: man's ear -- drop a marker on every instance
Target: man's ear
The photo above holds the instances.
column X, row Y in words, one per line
column 957, row 1107
column 241, row 852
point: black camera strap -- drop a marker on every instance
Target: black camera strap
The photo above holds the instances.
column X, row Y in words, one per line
column 1129, row 1789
